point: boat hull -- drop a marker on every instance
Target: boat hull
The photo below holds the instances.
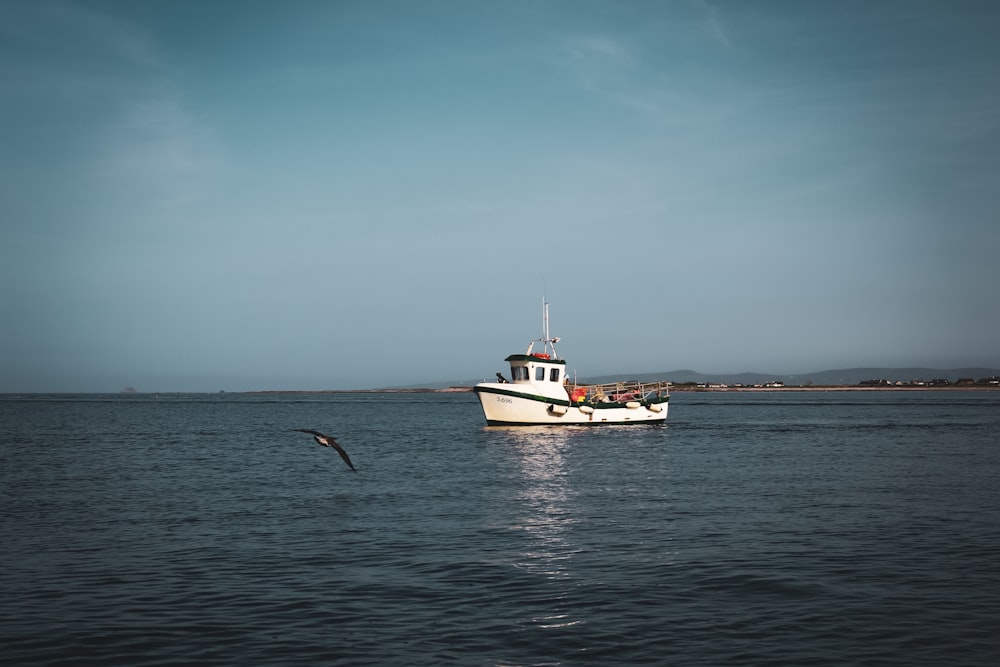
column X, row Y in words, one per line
column 508, row 405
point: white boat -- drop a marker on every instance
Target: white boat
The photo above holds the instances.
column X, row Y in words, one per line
column 541, row 392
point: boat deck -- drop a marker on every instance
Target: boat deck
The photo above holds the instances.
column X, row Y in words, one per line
column 618, row 392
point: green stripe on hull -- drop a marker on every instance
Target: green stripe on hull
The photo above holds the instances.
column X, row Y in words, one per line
column 519, row 394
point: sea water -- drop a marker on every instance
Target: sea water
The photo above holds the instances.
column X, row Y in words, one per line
column 781, row 528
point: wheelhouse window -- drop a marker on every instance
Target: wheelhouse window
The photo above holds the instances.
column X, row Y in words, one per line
column 519, row 373
column 554, row 375
column 539, row 373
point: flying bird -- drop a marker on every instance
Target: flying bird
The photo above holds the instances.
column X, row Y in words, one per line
column 328, row 441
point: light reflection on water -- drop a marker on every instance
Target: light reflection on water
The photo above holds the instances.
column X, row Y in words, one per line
column 545, row 514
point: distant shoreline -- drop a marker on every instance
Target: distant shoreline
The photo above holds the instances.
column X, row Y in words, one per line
column 972, row 387
column 673, row 389
column 408, row 390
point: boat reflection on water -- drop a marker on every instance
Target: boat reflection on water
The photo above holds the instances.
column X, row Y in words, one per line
column 546, row 518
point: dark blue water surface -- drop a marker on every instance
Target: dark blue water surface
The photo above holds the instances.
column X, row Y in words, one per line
column 783, row 528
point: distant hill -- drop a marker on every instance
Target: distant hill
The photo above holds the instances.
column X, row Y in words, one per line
column 845, row 376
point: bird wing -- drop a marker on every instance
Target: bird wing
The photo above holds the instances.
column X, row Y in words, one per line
column 330, row 443
column 343, row 454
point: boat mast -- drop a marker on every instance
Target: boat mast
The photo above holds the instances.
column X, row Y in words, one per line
column 548, row 341
column 545, row 320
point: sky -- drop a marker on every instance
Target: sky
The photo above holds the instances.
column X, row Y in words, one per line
column 230, row 195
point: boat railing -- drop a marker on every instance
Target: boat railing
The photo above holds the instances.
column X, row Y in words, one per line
column 618, row 392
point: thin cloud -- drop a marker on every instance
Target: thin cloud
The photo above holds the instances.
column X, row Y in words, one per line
column 118, row 88
column 159, row 144
column 591, row 48
column 648, row 69
column 714, row 25
column 60, row 38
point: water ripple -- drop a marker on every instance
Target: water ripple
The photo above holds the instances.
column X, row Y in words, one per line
column 149, row 531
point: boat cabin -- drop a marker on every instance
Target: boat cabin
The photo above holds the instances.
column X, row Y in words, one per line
column 547, row 375
column 535, row 368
